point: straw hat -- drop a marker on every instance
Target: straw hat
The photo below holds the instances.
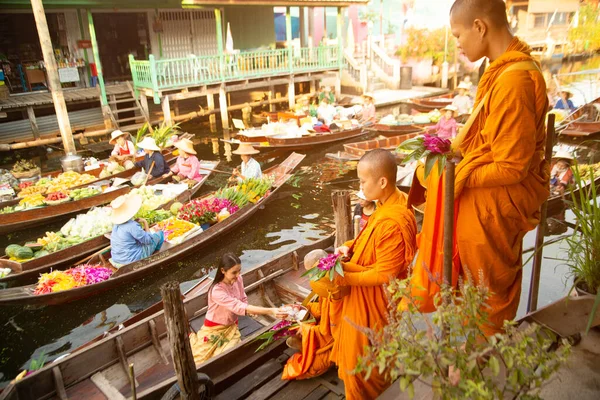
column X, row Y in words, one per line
column 463, row 85
column 125, row 207
column 563, row 154
column 148, row 144
column 186, row 146
column 115, row 135
column 568, row 91
column 245, row 149
column 361, row 195
column 450, row 108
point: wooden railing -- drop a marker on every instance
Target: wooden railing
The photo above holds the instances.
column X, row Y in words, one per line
column 357, row 70
column 386, row 67
column 177, row 73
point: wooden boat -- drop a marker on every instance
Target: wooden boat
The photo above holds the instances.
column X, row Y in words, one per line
column 169, row 253
column 309, row 141
column 28, row 272
column 431, row 103
column 395, row 130
column 581, row 129
column 360, row 148
column 100, row 371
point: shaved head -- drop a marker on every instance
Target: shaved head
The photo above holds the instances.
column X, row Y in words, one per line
column 381, row 163
column 492, row 12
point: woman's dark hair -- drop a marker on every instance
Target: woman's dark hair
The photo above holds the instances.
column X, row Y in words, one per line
column 228, row 261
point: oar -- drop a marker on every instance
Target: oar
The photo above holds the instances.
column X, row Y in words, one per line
column 88, row 258
column 216, row 170
column 148, row 175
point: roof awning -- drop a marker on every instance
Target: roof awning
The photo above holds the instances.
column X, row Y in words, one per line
column 291, row 3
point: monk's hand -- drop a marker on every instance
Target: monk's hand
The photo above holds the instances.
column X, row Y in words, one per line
column 343, row 250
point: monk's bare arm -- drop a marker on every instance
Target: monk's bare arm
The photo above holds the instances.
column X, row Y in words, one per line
column 389, row 256
column 510, row 130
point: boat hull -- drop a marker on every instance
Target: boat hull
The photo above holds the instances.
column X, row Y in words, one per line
column 304, row 142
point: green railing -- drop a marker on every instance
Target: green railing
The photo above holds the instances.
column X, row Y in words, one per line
column 177, row 73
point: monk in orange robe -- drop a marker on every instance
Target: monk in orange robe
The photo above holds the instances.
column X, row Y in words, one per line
column 382, row 252
column 502, row 179
column 316, row 339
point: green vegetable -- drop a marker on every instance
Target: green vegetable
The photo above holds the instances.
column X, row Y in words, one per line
column 175, row 207
column 40, row 253
column 34, row 246
column 12, row 250
column 24, row 253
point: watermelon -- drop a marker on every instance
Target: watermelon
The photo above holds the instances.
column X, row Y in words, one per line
column 40, row 253
column 12, row 250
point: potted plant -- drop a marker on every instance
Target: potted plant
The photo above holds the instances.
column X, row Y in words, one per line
column 583, row 246
column 448, row 353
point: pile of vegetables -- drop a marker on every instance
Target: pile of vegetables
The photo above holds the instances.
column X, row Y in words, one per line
column 94, row 223
column 22, row 166
column 249, row 191
column 203, row 211
column 68, row 180
column 174, row 227
column 154, row 216
column 82, row 193
column 18, row 253
column 33, row 189
column 30, row 201
column 79, row 276
column 56, row 241
column 151, row 201
column 7, row 210
column 112, row 168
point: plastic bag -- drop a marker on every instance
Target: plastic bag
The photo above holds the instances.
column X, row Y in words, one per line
column 138, row 178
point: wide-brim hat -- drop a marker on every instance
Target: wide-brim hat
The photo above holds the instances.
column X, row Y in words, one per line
column 450, row 108
column 245, row 149
column 369, row 95
column 186, row 146
column 115, row 135
column 361, row 195
column 563, row 154
column 148, row 144
column 568, row 91
column 463, row 85
column 125, row 207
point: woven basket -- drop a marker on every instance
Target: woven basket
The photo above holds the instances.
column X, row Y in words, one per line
column 27, row 174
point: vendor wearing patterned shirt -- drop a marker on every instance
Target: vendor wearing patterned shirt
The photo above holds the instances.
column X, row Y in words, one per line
column 250, row 168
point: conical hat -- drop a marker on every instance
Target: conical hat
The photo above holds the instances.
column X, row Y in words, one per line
column 148, row 144
column 186, row 146
column 125, row 207
column 116, row 134
column 245, row 149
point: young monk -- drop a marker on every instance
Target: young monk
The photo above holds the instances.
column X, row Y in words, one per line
column 382, row 252
column 503, row 178
column 315, row 340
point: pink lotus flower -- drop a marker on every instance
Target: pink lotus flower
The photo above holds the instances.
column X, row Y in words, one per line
column 436, row 145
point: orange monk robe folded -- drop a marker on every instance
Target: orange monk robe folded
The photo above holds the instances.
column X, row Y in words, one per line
column 382, row 252
column 317, row 342
column 502, row 180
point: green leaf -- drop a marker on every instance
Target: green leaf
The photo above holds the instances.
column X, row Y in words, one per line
column 494, row 365
column 331, row 274
column 429, row 163
column 411, row 391
column 403, row 383
column 593, row 313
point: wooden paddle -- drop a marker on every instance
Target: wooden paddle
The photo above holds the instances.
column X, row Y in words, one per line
column 148, row 174
column 216, row 170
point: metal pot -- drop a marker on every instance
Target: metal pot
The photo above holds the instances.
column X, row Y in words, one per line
column 72, row 162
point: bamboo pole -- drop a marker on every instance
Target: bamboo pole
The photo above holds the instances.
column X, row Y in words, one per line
column 177, row 332
column 58, row 99
column 342, row 216
column 448, row 245
column 536, row 270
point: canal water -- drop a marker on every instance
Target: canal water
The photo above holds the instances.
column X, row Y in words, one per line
column 300, row 215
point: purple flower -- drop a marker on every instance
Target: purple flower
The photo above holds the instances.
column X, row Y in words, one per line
column 328, row 262
column 436, row 145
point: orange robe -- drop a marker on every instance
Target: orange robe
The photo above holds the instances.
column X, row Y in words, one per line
column 382, row 252
column 502, row 180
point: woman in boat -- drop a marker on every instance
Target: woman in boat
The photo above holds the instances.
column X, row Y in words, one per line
column 250, row 168
column 561, row 175
column 364, row 208
column 124, row 151
column 326, row 93
column 446, row 126
column 129, row 241
column 368, row 110
column 153, row 156
column 187, row 165
column 326, row 112
column 565, row 103
column 227, row 301
column 462, row 101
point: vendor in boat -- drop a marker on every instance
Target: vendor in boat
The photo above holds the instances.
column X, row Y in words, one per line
column 153, row 155
column 227, row 300
column 565, row 102
column 364, row 208
column 368, row 109
column 326, row 112
column 462, row 101
column 303, row 106
column 129, row 241
column 124, row 151
column 250, row 168
column 561, row 174
column 326, row 93
column 187, row 165
column 446, row 127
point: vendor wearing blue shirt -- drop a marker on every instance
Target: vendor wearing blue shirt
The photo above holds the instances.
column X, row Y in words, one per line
column 250, row 168
column 129, row 242
column 565, row 102
column 153, row 155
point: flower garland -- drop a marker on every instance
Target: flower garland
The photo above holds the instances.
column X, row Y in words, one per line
column 82, row 275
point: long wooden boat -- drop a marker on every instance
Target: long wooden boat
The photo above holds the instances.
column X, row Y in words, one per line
column 169, row 253
column 431, row 103
column 100, row 371
column 389, row 143
column 581, row 129
column 27, row 272
column 395, row 130
column 309, row 141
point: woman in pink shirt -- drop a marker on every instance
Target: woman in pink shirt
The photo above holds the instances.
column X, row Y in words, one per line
column 187, row 165
column 446, row 126
column 227, row 301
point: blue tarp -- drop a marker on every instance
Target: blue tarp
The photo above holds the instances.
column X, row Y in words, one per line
column 280, row 27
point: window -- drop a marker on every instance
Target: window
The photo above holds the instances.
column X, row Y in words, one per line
column 560, row 18
column 540, row 21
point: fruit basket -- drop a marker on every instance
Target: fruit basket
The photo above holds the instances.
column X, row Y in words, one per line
column 176, row 230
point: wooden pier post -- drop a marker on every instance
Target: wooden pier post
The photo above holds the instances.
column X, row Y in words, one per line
column 223, row 107
column 340, row 43
column 177, row 332
column 271, row 97
column 144, row 103
column 58, row 99
column 291, row 93
column 34, row 126
column 166, row 109
column 210, row 101
column 342, row 216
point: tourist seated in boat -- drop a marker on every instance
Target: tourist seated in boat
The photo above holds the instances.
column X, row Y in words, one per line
column 250, row 168
column 227, row 301
column 368, row 113
column 302, row 106
column 462, row 101
column 153, row 156
column 565, row 102
column 124, row 151
column 326, row 93
column 446, row 126
column 187, row 165
column 364, row 208
column 326, row 112
column 315, row 340
column 561, row 174
column 129, row 241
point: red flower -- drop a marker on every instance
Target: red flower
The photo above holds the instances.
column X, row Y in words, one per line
column 206, row 339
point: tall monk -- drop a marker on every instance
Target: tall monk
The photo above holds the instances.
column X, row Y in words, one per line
column 502, row 179
column 382, row 252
